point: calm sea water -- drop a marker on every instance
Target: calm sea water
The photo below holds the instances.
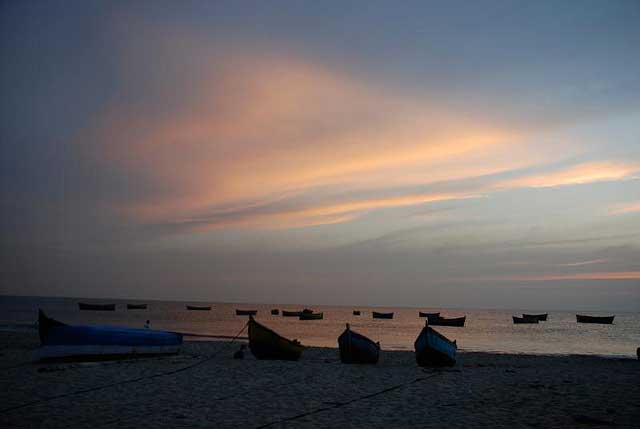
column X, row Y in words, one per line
column 485, row 330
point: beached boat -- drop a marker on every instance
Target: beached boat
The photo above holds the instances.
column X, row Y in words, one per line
column 60, row 341
column 246, row 312
column 199, row 308
column 286, row 313
column 434, row 349
column 311, row 316
column 97, row 307
column 377, row 315
column 136, row 306
column 521, row 320
column 267, row 344
column 539, row 317
column 356, row 312
column 444, row 321
column 356, row 348
column 427, row 315
column 275, row 311
column 605, row 320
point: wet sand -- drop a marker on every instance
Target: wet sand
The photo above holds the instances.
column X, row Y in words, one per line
column 204, row 386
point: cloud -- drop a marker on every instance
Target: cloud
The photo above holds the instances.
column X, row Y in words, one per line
column 581, row 263
column 621, row 209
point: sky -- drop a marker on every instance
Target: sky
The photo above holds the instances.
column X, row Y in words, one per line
column 426, row 154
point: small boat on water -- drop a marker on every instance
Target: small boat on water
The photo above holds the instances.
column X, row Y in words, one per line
column 246, row 312
column 356, row 348
column 605, row 320
column 311, row 316
column 522, row 320
column 267, row 344
column 434, row 349
column 427, row 315
column 444, row 321
column 286, row 313
column 275, row 311
column 538, row 317
column 136, row 306
column 96, row 307
column 60, row 341
column 199, row 308
column 377, row 315
column 356, row 312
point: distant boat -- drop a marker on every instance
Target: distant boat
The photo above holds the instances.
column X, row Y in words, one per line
column 356, row 348
column 286, row 313
column 606, row 320
column 520, row 320
column 427, row 315
column 267, row 344
column 356, row 312
column 246, row 312
column 539, row 317
column 136, row 306
column 67, row 342
column 97, row 307
column 443, row 321
column 275, row 311
column 311, row 316
column 377, row 315
column 307, row 311
column 434, row 349
column 195, row 307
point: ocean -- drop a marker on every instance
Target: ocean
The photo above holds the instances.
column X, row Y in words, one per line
column 484, row 330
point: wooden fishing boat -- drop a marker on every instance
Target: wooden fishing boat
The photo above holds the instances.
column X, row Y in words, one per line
column 311, row 316
column 605, row 320
column 539, row 317
column 97, row 307
column 136, row 306
column 199, row 308
column 443, row 321
column 434, row 349
column 356, row 312
column 267, row 344
column 377, row 315
column 356, row 348
column 275, row 311
column 522, row 320
column 60, row 341
column 427, row 315
column 286, row 313
column 246, row 312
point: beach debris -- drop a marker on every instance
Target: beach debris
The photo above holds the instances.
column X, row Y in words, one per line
column 239, row 354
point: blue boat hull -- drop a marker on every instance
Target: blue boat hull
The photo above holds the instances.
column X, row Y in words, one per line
column 434, row 349
column 356, row 348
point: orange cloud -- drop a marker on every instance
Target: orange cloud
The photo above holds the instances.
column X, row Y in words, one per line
column 621, row 209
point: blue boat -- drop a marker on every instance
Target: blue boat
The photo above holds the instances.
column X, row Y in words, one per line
column 356, row 348
column 434, row 349
column 60, row 341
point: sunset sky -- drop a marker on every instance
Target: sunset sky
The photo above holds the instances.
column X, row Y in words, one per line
column 456, row 154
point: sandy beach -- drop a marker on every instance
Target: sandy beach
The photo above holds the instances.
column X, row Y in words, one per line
column 204, row 386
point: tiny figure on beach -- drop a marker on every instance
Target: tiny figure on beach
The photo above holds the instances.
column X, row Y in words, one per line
column 240, row 353
column 147, row 325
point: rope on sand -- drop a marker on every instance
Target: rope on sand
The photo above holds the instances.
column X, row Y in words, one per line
column 351, row 401
column 132, row 380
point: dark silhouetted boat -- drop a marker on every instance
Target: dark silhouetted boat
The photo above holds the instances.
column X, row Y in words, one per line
column 605, row 320
column 267, row 344
column 434, row 349
column 246, row 312
column 377, row 315
column 286, row 313
column 311, row 316
column 523, row 320
column 427, row 315
column 538, row 317
column 356, row 312
column 97, row 307
column 444, row 321
column 199, row 308
column 136, row 306
column 60, row 341
column 275, row 311
column 356, row 348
